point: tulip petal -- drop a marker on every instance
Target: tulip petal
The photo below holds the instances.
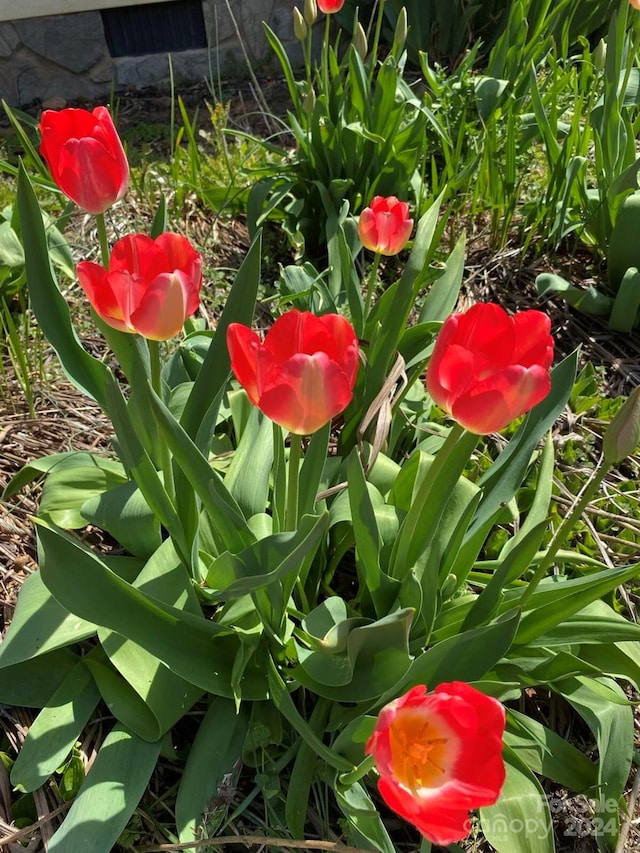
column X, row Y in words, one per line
column 440, row 825
column 244, row 345
column 501, row 399
column 161, row 311
column 96, row 285
column 533, row 343
column 306, row 393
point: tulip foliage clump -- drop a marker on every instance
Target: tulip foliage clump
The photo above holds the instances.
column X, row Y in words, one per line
column 299, row 577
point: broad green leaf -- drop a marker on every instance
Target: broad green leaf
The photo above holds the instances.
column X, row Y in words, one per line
column 625, row 313
column 356, row 662
column 70, row 459
column 556, row 600
column 121, row 699
column 197, row 649
column 511, row 567
column 141, row 467
column 167, row 696
column 41, row 625
column 216, row 748
column 212, row 378
column 109, row 794
column 612, row 725
column 548, row 754
column 521, row 816
column 248, row 476
column 443, row 294
column 589, row 300
column 224, row 513
column 503, row 479
column 124, row 513
column 31, row 683
column 463, row 657
column 267, row 560
column 66, row 489
column 54, row 731
column 85, row 372
column 357, row 807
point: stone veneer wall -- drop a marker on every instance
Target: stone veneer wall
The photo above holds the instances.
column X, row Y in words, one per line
column 66, row 56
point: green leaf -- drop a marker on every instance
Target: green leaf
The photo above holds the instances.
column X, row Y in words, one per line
column 353, row 661
column 109, row 794
column 67, row 488
column 548, row 754
column 606, row 710
column 197, row 419
column 197, row 649
column 463, row 657
column 167, row 696
column 280, row 697
column 361, row 813
column 443, row 294
column 521, row 816
column 556, row 600
column 31, row 683
column 41, row 625
column 589, row 299
column 124, row 513
column 216, row 748
column 626, row 306
column 70, row 459
column 223, row 511
column 248, row 476
column 85, row 372
column 53, row 733
column 502, row 480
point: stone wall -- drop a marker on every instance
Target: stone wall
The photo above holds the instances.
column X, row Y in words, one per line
column 66, row 56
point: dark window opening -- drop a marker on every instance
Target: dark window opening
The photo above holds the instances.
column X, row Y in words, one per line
column 154, row 28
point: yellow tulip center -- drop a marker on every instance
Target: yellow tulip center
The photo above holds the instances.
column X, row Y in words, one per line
column 422, row 750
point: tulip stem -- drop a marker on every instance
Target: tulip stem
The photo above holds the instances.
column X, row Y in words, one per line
column 567, row 524
column 104, row 242
column 295, row 452
column 371, row 285
column 376, row 40
column 325, row 57
column 352, row 776
column 156, row 384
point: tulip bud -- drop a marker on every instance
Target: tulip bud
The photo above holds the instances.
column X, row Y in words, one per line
column 299, row 25
column 359, row 41
column 623, row 433
column 400, row 35
column 599, row 55
column 310, row 12
column 309, row 102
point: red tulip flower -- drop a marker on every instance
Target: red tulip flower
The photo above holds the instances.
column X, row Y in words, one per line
column 439, row 756
column 488, row 368
column 385, row 226
column 151, row 286
column 303, row 374
column 635, row 4
column 85, row 156
column 330, row 6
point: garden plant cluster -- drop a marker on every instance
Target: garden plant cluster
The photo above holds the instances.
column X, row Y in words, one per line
column 300, row 577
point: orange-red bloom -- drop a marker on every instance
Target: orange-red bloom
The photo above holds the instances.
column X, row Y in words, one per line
column 488, row 368
column 635, row 3
column 85, row 156
column 439, row 755
column 330, row 6
column 303, row 374
column 151, row 286
column 385, row 226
